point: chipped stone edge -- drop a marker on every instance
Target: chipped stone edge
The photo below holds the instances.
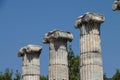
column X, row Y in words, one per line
column 89, row 17
column 116, row 5
column 57, row 34
column 30, row 49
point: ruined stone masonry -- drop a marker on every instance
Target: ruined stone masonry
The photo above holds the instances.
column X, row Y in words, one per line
column 116, row 5
column 90, row 46
column 30, row 62
column 58, row 63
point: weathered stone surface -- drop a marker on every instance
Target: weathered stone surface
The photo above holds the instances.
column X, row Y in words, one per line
column 59, row 57
column 58, row 72
column 57, row 34
column 90, row 46
column 89, row 18
column 58, row 63
column 90, row 43
column 116, row 5
column 30, row 70
column 29, row 49
column 31, row 77
column 91, row 72
column 90, row 58
column 30, row 63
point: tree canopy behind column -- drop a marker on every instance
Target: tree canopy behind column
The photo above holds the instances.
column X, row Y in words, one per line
column 73, row 64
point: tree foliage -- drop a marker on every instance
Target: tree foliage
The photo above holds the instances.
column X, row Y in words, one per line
column 8, row 75
column 73, row 64
column 116, row 76
column 43, row 77
column 17, row 75
column 106, row 78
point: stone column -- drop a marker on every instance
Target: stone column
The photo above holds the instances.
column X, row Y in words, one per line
column 90, row 47
column 30, row 62
column 116, row 5
column 58, row 63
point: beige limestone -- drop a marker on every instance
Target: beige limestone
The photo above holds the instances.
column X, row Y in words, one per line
column 90, row 46
column 30, row 62
column 116, row 5
column 58, row 63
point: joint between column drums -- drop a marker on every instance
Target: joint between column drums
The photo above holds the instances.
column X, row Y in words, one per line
column 93, row 52
column 58, row 64
column 88, row 34
column 91, row 64
column 30, row 74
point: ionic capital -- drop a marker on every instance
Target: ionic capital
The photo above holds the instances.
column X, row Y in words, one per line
column 57, row 34
column 116, row 5
column 29, row 49
column 89, row 18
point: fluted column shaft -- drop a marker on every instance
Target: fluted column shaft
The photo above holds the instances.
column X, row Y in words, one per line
column 30, row 62
column 90, row 47
column 90, row 57
column 58, row 63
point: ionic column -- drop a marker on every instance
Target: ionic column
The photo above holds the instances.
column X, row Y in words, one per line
column 116, row 5
column 30, row 62
column 58, row 63
column 90, row 46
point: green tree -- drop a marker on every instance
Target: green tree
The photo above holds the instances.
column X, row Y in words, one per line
column 106, row 78
column 43, row 77
column 1, row 76
column 73, row 64
column 8, row 74
column 17, row 75
column 116, row 76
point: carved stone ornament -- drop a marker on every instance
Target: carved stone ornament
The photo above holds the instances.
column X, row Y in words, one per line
column 29, row 49
column 116, row 5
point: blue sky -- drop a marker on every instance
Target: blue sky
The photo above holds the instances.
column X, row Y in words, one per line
column 24, row 22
